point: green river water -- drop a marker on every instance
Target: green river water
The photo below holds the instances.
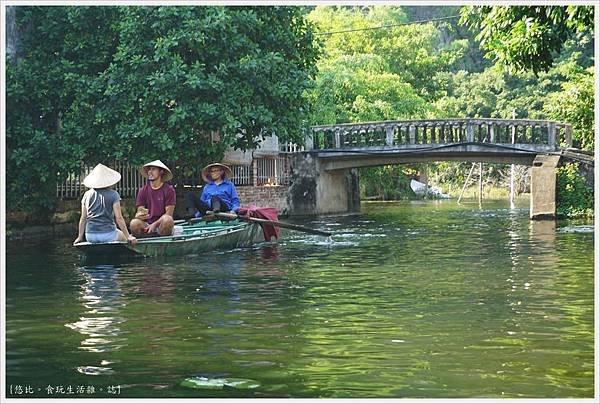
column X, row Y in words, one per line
column 411, row 299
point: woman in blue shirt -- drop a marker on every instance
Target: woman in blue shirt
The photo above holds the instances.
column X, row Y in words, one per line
column 218, row 195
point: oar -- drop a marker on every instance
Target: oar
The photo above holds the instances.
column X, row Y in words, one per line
column 273, row 223
column 190, row 220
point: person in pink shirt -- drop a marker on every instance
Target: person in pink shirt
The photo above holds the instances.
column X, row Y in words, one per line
column 155, row 202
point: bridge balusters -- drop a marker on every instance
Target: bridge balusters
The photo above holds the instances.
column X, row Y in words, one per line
column 507, row 131
column 470, row 132
column 569, row 135
column 438, row 131
column 389, row 135
column 551, row 134
column 402, row 134
column 519, row 137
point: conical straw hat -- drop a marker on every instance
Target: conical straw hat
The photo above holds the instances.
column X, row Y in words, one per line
column 205, row 171
column 101, row 177
column 167, row 175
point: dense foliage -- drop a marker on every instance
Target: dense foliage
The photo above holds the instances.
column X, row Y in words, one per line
column 573, row 196
column 97, row 83
column 527, row 38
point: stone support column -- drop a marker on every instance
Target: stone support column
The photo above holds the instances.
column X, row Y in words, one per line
column 543, row 187
column 314, row 191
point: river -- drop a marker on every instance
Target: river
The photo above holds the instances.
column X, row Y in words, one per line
column 407, row 299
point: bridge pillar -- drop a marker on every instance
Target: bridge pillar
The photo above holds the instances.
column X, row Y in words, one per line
column 314, row 191
column 543, row 187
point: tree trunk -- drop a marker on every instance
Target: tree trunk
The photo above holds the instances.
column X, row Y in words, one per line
column 12, row 34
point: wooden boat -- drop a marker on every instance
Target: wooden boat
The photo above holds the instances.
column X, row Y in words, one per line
column 195, row 237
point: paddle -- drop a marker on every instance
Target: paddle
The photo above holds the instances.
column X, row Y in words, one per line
column 190, row 220
column 273, row 223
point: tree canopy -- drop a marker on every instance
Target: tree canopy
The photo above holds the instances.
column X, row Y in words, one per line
column 522, row 38
column 100, row 83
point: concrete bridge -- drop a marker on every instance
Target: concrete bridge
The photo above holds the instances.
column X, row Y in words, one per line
column 324, row 177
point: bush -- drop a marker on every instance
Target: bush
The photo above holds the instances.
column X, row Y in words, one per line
column 574, row 198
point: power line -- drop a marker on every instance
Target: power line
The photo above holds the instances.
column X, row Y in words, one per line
column 386, row 26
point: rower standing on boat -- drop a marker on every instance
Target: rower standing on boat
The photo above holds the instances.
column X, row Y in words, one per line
column 218, row 195
column 155, row 202
column 100, row 207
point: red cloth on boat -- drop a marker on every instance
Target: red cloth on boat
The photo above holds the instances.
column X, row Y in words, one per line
column 262, row 213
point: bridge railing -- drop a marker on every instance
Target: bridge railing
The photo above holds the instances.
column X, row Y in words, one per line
column 436, row 131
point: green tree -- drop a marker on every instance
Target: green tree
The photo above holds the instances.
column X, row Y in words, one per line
column 415, row 52
column 61, row 51
column 574, row 198
column 358, row 88
column 522, row 38
column 97, row 83
column 574, row 104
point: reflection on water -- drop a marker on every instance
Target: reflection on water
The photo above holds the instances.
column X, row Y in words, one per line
column 101, row 298
column 406, row 300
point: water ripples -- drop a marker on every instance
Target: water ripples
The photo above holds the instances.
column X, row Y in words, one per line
column 405, row 300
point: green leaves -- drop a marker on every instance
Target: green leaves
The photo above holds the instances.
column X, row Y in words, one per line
column 575, row 104
column 522, row 38
column 137, row 82
column 574, row 198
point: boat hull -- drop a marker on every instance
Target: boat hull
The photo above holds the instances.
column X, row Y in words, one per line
column 194, row 239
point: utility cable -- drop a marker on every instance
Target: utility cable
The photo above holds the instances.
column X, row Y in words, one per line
column 385, row 26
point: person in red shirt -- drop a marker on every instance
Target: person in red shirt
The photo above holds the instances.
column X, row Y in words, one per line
column 155, row 202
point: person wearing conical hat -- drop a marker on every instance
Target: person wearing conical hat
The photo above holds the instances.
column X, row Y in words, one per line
column 100, row 207
column 218, row 195
column 155, row 202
